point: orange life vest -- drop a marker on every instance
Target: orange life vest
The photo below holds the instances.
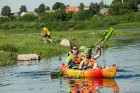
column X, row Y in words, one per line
column 88, row 62
column 73, row 57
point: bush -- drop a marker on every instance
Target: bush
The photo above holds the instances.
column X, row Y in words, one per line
column 8, row 48
column 4, row 26
column 7, row 58
column 137, row 16
column 110, row 21
column 12, row 26
column 28, row 17
column 130, row 17
column 4, row 19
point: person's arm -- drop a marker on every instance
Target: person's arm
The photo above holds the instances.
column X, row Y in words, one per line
column 80, row 66
column 42, row 32
column 98, row 54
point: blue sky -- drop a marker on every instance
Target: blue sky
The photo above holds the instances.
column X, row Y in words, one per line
column 32, row 4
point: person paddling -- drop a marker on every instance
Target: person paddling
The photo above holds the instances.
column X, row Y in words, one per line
column 46, row 33
column 88, row 61
column 74, row 58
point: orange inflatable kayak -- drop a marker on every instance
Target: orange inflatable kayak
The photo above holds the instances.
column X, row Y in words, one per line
column 108, row 72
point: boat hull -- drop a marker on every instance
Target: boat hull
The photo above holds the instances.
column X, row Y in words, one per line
column 108, row 72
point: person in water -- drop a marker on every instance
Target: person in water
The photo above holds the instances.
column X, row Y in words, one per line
column 74, row 58
column 46, row 34
column 88, row 61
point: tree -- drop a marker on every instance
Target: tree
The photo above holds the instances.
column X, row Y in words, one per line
column 58, row 6
column 41, row 8
column 23, row 8
column 6, row 11
column 92, row 9
column 47, row 8
column 81, row 15
column 36, row 10
column 59, row 15
column 81, row 7
column 101, row 3
column 119, row 8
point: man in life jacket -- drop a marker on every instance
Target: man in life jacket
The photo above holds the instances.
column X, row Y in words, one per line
column 88, row 61
column 74, row 58
column 46, row 34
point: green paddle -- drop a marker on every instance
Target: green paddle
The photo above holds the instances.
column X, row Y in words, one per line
column 104, row 38
column 58, row 74
column 78, row 76
column 108, row 34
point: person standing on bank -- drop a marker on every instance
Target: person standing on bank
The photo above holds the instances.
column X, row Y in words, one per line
column 46, row 34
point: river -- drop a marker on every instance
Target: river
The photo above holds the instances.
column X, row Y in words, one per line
column 34, row 76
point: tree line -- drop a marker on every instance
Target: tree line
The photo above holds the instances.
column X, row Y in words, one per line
column 126, row 11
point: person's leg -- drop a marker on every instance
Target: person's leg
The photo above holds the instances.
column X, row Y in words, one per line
column 49, row 37
column 45, row 40
column 95, row 66
column 51, row 40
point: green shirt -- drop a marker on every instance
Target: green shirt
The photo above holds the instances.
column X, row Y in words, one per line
column 68, row 59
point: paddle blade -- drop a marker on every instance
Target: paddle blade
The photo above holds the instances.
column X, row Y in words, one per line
column 110, row 31
column 105, row 36
column 78, row 76
column 58, row 74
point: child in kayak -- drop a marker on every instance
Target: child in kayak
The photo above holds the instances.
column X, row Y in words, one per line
column 88, row 61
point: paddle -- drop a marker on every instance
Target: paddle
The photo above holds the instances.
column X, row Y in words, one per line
column 107, row 36
column 104, row 38
column 78, row 76
column 58, row 74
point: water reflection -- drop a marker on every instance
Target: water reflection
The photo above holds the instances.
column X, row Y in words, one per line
column 91, row 85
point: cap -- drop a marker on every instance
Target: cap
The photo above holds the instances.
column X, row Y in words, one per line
column 86, row 50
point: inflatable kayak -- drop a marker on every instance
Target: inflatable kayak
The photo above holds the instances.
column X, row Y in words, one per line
column 107, row 72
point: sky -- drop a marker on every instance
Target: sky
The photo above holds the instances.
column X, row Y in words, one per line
column 32, row 4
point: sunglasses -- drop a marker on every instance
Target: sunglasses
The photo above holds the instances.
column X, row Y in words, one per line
column 75, row 48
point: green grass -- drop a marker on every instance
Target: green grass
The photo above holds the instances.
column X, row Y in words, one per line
column 19, row 41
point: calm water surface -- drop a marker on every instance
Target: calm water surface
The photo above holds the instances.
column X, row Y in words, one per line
column 34, row 77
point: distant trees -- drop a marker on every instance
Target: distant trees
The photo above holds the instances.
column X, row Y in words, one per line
column 81, row 7
column 28, row 17
column 84, row 12
column 58, row 6
column 6, row 11
column 23, row 8
column 120, row 8
column 47, row 8
column 41, row 9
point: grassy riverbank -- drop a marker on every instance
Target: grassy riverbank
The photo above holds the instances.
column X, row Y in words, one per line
column 21, row 41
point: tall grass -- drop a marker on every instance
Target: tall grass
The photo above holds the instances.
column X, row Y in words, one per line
column 31, row 42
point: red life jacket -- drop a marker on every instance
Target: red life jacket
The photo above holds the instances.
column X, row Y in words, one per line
column 89, row 62
column 75, row 60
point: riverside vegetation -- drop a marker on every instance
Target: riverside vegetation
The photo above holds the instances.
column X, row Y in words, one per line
column 22, row 41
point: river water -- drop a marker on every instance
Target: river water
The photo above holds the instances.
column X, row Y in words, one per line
column 34, row 76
